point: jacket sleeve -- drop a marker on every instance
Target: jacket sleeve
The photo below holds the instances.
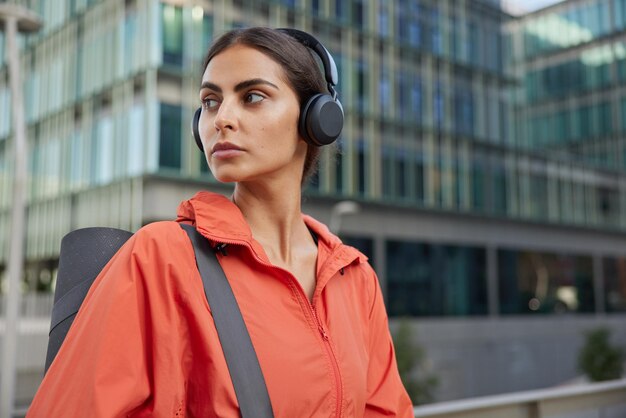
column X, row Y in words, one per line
column 122, row 354
column 386, row 395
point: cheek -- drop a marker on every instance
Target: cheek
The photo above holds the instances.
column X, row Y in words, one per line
column 289, row 126
column 203, row 125
column 281, row 132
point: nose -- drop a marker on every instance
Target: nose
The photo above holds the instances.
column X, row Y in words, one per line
column 226, row 117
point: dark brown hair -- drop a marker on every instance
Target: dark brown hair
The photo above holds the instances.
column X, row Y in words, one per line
column 297, row 61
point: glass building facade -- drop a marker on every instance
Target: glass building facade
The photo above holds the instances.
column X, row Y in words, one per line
column 570, row 105
column 436, row 280
column 452, row 106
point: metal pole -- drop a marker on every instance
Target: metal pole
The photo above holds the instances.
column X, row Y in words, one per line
column 345, row 207
column 16, row 248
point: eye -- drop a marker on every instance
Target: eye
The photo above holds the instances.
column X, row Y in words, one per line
column 209, row 103
column 253, row 98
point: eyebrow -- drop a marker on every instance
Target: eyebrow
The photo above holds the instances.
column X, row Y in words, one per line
column 239, row 86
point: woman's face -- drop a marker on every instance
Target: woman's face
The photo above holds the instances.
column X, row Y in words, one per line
column 249, row 122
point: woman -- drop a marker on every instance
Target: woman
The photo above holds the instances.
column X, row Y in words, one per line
column 144, row 343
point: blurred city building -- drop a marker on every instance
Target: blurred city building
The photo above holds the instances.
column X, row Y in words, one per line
column 486, row 153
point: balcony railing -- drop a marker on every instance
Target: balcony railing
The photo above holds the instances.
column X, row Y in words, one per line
column 580, row 401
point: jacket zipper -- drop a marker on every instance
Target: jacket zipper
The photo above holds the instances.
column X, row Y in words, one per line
column 333, row 361
column 324, row 335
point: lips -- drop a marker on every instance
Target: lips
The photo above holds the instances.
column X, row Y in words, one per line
column 224, row 146
column 225, row 151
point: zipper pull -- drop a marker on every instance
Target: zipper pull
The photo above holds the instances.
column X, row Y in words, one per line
column 221, row 248
column 323, row 332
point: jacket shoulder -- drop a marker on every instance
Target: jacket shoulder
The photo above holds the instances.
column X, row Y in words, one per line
column 158, row 229
column 157, row 257
column 155, row 246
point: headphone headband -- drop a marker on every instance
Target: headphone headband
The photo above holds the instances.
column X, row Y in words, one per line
column 308, row 40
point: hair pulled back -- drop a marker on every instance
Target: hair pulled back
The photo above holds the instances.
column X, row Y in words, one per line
column 299, row 66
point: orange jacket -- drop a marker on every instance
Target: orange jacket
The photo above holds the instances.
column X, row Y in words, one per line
column 144, row 344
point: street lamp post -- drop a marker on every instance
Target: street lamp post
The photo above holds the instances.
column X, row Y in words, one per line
column 14, row 19
column 345, row 207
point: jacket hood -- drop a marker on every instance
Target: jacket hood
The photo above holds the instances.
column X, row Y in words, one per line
column 221, row 221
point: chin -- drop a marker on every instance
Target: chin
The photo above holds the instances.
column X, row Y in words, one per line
column 228, row 175
column 226, row 179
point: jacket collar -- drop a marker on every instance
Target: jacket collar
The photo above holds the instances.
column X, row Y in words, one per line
column 221, row 221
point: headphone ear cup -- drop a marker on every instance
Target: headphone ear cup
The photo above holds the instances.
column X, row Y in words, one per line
column 195, row 128
column 321, row 120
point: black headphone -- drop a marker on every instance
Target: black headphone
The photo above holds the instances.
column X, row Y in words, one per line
column 321, row 117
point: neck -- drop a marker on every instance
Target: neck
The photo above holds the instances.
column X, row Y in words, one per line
column 273, row 212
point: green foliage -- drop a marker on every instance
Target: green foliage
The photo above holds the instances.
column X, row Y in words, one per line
column 411, row 360
column 598, row 359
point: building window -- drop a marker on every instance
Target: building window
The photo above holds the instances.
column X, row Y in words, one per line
column 358, row 13
column 170, row 136
column 562, row 126
column 538, row 204
column 102, row 152
column 435, row 280
column 437, row 44
column 464, row 111
column 136, row 135
column 607, row 203
column 619, row 7
column 388, row 171
column 455, row 38
column 315, row 7
column 172, row 18
column 535, row 282
column 362, row 167
column 401, row 176
column 605, row 119
column 383, row 18
column 340, row 10
column 623, row 114
column 585, row 122
column 415, row 36
column 500, row 201
column 207, row 31
column 384, row 92
column 418, row 177
column 131, row 44
column 401, row 21
column 5, row 189
column 438, row 104
column 77, row 159
column 478, row 180
column 402, row 96
column 361, row 87
column 416, row 100
column 614, row 283
column 474, row 44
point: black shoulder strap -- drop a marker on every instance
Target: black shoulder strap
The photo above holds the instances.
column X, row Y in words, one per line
column 241, row 358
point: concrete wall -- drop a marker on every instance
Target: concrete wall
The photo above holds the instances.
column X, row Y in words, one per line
column 483, row 356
